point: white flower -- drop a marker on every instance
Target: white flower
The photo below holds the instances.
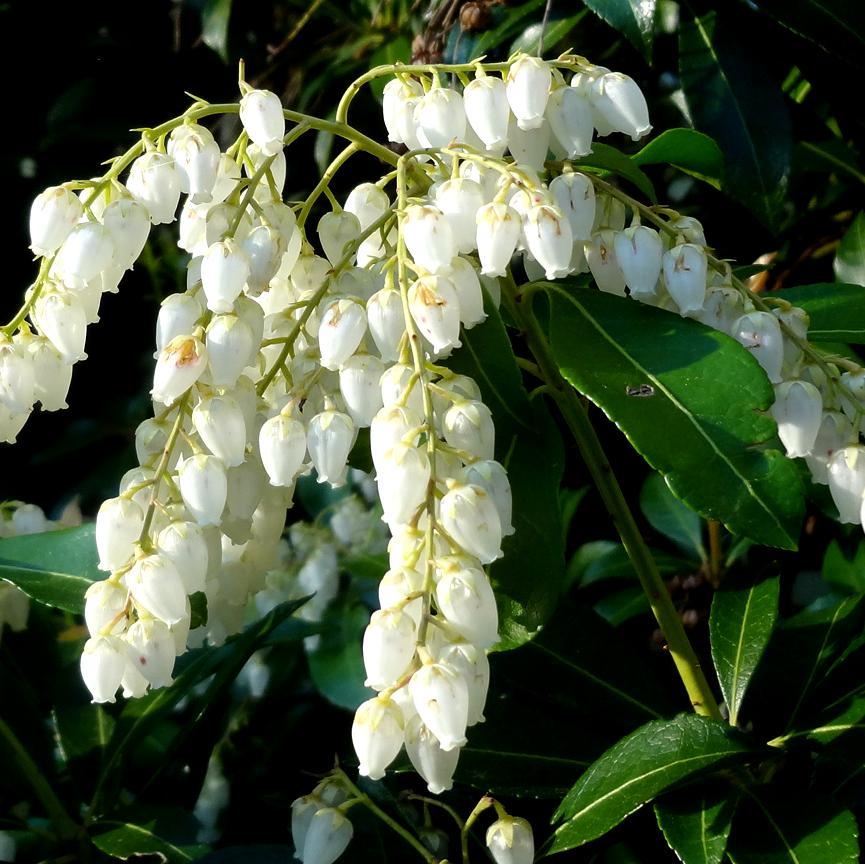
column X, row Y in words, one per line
column 469, row 515
column 85, row 253
column 377, row 734
column 17, row 377
column 468, row 425
column 388, row 647
column 549, row 239
column 760, row 333
column 846, row 472
column 474, row 666
column 465, row 597
column 429, row 237
column 441, row 697
column 224, row 271
column 391, row 425
column 102, row 663
column 575, row 196
column 231, row 347
column 341, row 331
column 368, row 203
column 219, row 423
column 386, row 321
column 155, row 584
column 435, row 766
column 185, row 545
column 335, row 232
column 638, row 253
column 685, row 269
column 118, row 524
column 486, row 106
column 621, row 103
column 262, row 118
column 264, row 247
column 440, row 117
column 359, row 380
column 528, row 89
column 459, row 200
column 150, row 647
column 181, row 363
column 470, row 295
column 128, row 224
column 798, row 410
column 196, row 157
column 403, row 478
column 282, row 445
column 570, row 117
column 204, row 487
column 603, row 263
column 435, row 309
column 154, row 182
column 104, row 603
column 52, row 374
column 493, row 478
column 835, row 432
column 498, row 231
column 398, row 102
column 178, row 315
column 54, row 213
column 396, row 585
column 330, row 438
column 327, row 837
column 510, row 841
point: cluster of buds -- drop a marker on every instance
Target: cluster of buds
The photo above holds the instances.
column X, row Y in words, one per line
column 320, row 830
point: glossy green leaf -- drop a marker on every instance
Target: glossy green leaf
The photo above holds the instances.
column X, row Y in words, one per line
column 529, row 445
column 706, row 422
column 845, row 726
column 54, row 568
column 670, row 517
column 509, row 22
column 843, row 572
column 607, row 159
column 734, row 100
column 638, row 769
column 836, row 309
column 850, row 257
column 696, row 822
column 634, row 19
column 605, row 560
column 556, row 31
column 794, row 828
column 82, row 729
column 215, row 17
column 621, row 606
column 741, row 622
column 124, row 840
column 689, row 151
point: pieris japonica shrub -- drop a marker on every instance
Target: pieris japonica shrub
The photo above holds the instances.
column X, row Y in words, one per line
column 378, row 346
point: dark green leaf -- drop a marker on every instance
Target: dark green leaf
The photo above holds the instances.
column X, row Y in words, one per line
column 634, row 19
column 83, row 729
column 622, row 605
column 529, row 445
column 608, row 159
column 696, row 822
column 509, row 24
column 850, row 257
column 670, row 517
column 336, row 665
column 711, row 456
column 124, row 840
column 846, row 726
column 836, row 309
column 842, row 572
column 555, row 32
column 54, row 568
column 214, row 26
column 833, row 155
column 792, row 827
column 689, row 151
column 734, row 100
column 741, row 622
column 604, row 560
column 641, row 767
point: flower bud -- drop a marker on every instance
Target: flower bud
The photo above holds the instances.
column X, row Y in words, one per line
column 377, row 734
column 335, row 232
column 330, row 438
column 510, row 841
column 52, row 374
column 570, row 117
column 264, row 247
column 846, row 473
column 102, row 663
column 184, row 544
column 760, row 333
column 469, row 515
column 368, row 203
column 621, row 103
column 341, row 331
column 575, row 196
column 150, row 647
column 493, row 479
column 302, row 811
column 440, row 117
column 327, row 837
column 396, row 585
column 178, row 315
column 181, row 363
column 118, row 524
column 224, row 271
column 459, row 200
column 638, row 252
column 435, row 309
column 196, row 157
column 528, row 89
column 435, row 766
column 262, row 118
column 104, row 603
column 128, row 224
column 603, row 264
column 219, row 423
column 798, row 410
column 474, row 666
column 429, row 237
column 403, row 478
column 359, row 380
column 441, row 698
column 685, row 269
column 468, row 425
column 549, row 239
column 155, row 584
column 398, row 103
column 386, row 322
column 486, row 106
column 282, row 445
column 204, row 487
column 54, row 213
column 464, row 596
column 154, row 182
column 231, row 347
column 498, row 231
column 388, row 647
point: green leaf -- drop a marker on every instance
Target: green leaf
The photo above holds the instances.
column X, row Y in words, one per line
column 850, row 257
column 740, row 623
column 608, row 159
column 634, row 19
column 604, row 560
column 834, row 155
column 843, row 572
column 792, row 827
column 392, row 50
column 509, row 24
column 214, row 26
column 555, row 32
column 670, row 517
column 696, row 823
column 336, row 665
column 689, row 151
column 842, row 727
column 55, row 567
column 836, row 309
column 82, row 729
column 734, row 100
column 124, row 840
column 711, row 456
column 622, row 605
column 529, row 445
column 641, row 767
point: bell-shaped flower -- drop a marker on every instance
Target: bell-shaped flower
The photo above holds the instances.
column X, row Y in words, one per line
column 621, row 103
column 204, row 487
column 104, row 605
column 388, row 647
column 52, row 374
column 798, row 411
column 282, row 446
column 510, row 841
column 528, row 89
column 330, row 437
column 685, row 267
column 359, row 380
column 639, row 251
column 103, row 661
column 341, row 331
column 118, row 525
column 549, row 238
column 835, row 433
column 155, row 182
column 435, row 308
column 368, row 203
column 150, row 648
column 465, row 598
column 155, row 584
column 441, row 697
column 575, row 196
column 397, row 585
column 53, row 214
column 227, row 177
column 722, row 308
column 459, row 200
column 61, row 318
column 403, row 479
column 760, row 333
column 327, row 837
column 469, row 515
column 529, row 146
column 603, row 263
column 231, row 347
column 224, row 271
column 498, row 231
column 846, row 473
column 85, row 253
column 180, row 364
column 185, row 545
column 398, row 103
column 435, row 766
column 440, row 117
column 429, row 237
column 470, row 294
column 474, row 666
column 336, row 231
column 487, row 109
column 492, row 477
column 377, row 734
column 219, row 422
column 128, row 224
column 264, row 247
column 17, row 377
column 570, row 117
column 196, row 156
column 178, row 315
column 468, row 426
column 386, row 321
column 390, row 426
column 262, row 118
